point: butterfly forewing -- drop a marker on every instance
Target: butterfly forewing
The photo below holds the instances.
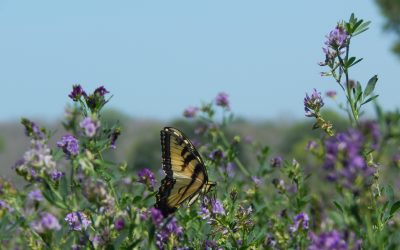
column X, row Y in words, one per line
column 184, row 169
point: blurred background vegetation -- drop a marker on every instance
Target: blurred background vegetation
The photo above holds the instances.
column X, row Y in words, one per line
column 139, row 143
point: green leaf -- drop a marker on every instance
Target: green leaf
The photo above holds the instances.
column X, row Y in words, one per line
column 360, row 29
column 370, row 99
column 350, row 61
column 358, row 91
column 394, row 208
column 338, row 206
column 63, row 186
column 120, row 239
column 354, row 63
column 370, row 86
column 389, row 193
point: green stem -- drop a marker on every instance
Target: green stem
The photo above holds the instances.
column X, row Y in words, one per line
column 354, row 112
column 237, row 161
column 110, row 185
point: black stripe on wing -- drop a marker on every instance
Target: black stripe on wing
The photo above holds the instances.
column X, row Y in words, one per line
column 166, row 153
column 164, row 192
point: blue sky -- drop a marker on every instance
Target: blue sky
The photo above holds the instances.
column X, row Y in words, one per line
column 158, row 57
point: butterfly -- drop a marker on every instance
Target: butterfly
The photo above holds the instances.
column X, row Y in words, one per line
column 186, row 175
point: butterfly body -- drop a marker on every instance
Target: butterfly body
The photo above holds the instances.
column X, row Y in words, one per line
column 186, row 175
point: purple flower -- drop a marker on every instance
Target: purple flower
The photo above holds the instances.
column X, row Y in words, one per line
column 156, row 216
column 210, row 244
column 300, row 221
column 372, row 131
column 77, row 92
column 331, row 94
column 257, row 181
column 344, row 159
column 69, row 145
column 190, row 112
column 35, row 195
column 216, row 155
column 47, row 222
column 172, row 229
column 327, row 241
column 222, row 100
column 77, row 221
column 230, row 169
column 276, row 161
column 311, row 145
column 32, row 129
column 4, row 204
column 37, row 159
column 313, row 103
column 113, row 137
column 217, row 207
column 204, row 211
column 119, row 224
column 337, row 38
column 89, row 126
column 146, row 176
column 143, row 215
column 101, row 91
column 210, row 208
column 56, row 175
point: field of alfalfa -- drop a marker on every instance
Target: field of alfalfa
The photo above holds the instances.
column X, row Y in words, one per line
column 340, row 194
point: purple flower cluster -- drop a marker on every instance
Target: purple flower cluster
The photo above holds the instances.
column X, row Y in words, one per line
column 311, row 145
column 164, row 232
column 119, row 224
column 35, row 195
column 344, row 159
column 94, row 101
column 337, row 38
column 190, row 112
column 230, row 169
column 313, row 104
column 56, row 175
column 69, row 145
column 222, row 100
column 77, row 221
column 38, row 159
column 39, row 155
column 47, row 222
column 301, row 221
column 257, row 181
column 90, row 126
column 101, row 91
column 336, row 41
column 5, row 205
column 77, row 92
column 211, row 207
column 372, row 131
column 156, row 216
column 146, row 176
column 276, row 161
column 327, row 241
column 216, row 155
column 172, row 229
column 32, row 129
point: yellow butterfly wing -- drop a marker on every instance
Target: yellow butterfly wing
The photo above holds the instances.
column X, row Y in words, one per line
column 185, row 171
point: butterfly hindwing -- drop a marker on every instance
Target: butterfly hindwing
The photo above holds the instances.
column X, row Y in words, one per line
column 184, row 169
